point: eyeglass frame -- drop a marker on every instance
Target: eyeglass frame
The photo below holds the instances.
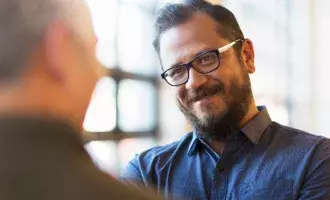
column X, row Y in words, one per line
column 190, row 65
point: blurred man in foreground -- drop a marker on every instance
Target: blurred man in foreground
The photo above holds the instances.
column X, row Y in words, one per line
column 235, row 150
column 48, row 70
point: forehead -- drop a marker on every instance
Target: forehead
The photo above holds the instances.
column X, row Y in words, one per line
column 181, row 43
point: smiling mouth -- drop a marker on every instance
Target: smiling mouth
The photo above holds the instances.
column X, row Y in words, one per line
column 206, row 99
column 200, row 98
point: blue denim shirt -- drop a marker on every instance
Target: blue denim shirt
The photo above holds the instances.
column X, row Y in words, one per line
column 265, row 160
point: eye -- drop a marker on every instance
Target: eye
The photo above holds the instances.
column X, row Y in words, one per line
column 176, row 72
column 207, row 59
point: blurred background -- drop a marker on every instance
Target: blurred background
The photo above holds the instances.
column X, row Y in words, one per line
column 133, row 109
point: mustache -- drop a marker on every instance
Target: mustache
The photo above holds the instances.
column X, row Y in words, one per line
column 202, row 92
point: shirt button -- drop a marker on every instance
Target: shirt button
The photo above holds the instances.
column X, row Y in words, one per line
column 221, row 169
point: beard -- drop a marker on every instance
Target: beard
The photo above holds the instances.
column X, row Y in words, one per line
column 218, row 123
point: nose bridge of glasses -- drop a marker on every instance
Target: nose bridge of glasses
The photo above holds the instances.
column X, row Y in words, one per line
column 191, row 66
column 195, row 77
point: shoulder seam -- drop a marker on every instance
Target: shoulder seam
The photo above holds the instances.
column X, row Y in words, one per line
column 295, row 130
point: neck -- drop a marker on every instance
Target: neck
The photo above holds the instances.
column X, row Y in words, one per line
column 18, row 102
column 251, row 113
column 219, row 145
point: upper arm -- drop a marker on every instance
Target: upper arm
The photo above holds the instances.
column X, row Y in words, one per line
column 132, row 175
column 131, row 172
column 316, row 184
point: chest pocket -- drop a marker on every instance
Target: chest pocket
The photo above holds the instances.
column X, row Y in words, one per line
column 275, row 189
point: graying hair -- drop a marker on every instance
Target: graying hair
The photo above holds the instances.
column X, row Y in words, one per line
column 22, row 26
column 174, row 14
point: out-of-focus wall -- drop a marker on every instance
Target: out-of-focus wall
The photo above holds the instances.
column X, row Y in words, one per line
column 301, row 86
column 320, row 65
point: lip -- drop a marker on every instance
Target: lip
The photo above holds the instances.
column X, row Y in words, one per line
column 205, row 101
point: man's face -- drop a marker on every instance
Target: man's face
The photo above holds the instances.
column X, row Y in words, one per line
column 87, row 68
column 213, row 102
column 75, row 60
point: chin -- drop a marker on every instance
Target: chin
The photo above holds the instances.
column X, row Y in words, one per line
column 211, row 110
column 210, row 114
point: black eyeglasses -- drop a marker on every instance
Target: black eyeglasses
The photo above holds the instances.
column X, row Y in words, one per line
column 204, row 63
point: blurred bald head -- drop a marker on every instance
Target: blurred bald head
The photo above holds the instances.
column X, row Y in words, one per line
column 48, row 50
column 23, row 25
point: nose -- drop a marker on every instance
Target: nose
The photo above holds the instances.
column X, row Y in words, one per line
column 195, row 80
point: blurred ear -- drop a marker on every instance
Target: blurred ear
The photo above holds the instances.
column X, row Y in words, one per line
column 56, row 43
column 248, row 55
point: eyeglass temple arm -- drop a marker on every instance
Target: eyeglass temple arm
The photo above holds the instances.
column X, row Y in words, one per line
column 226, row 47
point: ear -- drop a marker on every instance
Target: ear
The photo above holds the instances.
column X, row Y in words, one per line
column 248, row 55
column 55, row 42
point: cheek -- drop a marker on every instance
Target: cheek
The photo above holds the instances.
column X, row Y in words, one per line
column 93, row 67
column 226, row 76
column 180, row 94
column 87, row 76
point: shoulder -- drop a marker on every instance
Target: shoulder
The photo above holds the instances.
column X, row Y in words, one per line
column 158, row 156
column 84, row 180
column 165, row 152
column 146, row 165
column 297, row 138
column 294, row 133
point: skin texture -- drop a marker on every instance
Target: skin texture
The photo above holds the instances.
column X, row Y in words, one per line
column 60, row 73
column 217, row 103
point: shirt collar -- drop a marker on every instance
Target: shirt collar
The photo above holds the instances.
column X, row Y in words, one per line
column 193, row 144
column 253, row 130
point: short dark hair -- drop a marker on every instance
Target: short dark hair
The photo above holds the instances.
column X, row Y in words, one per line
column 172, row 15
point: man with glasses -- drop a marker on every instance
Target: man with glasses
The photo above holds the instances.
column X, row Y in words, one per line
column 235, row 150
